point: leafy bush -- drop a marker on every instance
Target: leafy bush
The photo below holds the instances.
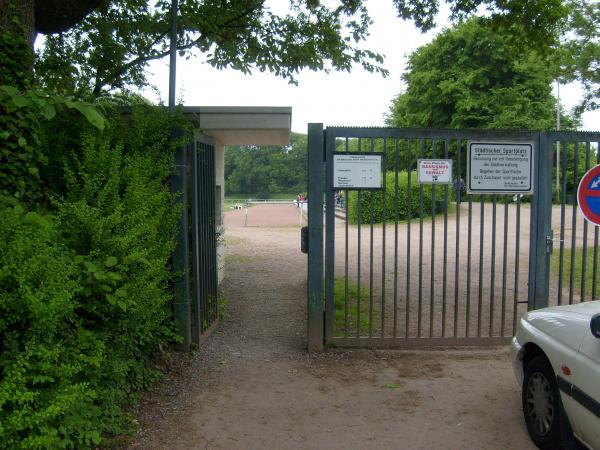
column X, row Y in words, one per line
column 46, row 399
column 371, row 202
column 85, row 288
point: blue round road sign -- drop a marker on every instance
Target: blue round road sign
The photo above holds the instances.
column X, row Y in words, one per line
column 588, row 195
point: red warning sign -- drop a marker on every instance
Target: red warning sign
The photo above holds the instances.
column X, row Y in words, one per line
column 588, row 195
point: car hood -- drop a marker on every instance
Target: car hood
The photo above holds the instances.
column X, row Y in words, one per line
column 565, row 323
column 587, row 309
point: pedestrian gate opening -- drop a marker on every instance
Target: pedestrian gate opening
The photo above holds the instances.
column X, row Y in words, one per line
column 416, row 265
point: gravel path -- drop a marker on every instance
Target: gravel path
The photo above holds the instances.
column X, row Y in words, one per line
column 253, row 386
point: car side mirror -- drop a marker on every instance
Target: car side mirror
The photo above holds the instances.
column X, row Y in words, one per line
column 595, row 325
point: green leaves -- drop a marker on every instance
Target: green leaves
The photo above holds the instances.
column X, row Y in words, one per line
column 477, row 75
column 111, row 261
column 111, row 47
column 90, row 112
column 261, row 171
column 85, row 289
column 45, row 105
column 371, row 202
column 579, row 52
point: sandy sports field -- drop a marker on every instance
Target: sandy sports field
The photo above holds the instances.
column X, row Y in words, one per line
column 253, row 386
column 266, row 215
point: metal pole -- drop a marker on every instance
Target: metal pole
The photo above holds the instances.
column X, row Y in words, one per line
column 315, row 237
column 173, row 54
column 541, row 225
column 181, row 301
column 557, row 142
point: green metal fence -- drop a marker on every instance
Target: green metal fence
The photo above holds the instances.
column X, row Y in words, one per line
column 195, row 256
column 425, row 265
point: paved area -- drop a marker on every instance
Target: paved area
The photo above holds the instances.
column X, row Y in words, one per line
column 253, row 386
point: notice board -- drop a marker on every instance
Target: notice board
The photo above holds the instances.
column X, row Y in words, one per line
column 500, row 168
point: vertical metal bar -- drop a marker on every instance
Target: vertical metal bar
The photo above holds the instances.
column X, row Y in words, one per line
column 493, row 264
column 329, row 238
column 203, row 237
column 457, row 250
column 315, row 231
column 358, row 287
column 445, row 257
column 384, row 219
column 517, row 261
column 432, row 269
column 181, row 300
column 469, row 251
column 595, row 265
column 574, row 227
column 196, row 325
column 346, row 149
column 504, row 267
column 541, row 224
column 371, row 195
column 480, row 287
column 396, row 161
column 585, row 233
column 420, row 313
column 408, row 236
column 562, row 223
column 173, row 53
column 213, row 235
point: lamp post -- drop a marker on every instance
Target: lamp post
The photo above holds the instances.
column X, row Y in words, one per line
column 173, row 53
column 557, row 142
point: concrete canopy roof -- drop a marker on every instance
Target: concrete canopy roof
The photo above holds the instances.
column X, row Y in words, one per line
column 244, row 125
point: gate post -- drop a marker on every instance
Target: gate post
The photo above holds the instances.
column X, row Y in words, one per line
column 541, row 226
column 315, row 237
column 180, row 257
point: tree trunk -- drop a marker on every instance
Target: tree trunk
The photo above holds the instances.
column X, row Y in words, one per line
column 17, row 32
column 24, row 11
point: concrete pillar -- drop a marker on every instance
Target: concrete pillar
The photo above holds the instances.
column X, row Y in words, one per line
column 219, row 206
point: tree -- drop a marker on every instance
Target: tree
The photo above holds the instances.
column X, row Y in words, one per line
column 110, row 48
column 21, row 20
column 580, row 51
column 260, row 171
column 478, row 76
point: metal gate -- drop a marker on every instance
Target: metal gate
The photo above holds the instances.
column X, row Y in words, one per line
column 203, row 239
column 415, row 265
column 195, row 304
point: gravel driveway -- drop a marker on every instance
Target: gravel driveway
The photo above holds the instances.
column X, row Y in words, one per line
column 253, row 386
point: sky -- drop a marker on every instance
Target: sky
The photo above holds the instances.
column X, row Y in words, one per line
column 358, row 98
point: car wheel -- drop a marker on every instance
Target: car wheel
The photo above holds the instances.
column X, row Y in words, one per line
column 541, row 404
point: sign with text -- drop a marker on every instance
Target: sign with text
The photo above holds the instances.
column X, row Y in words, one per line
column 434, row 171
column 500, row 168
column 357, row 170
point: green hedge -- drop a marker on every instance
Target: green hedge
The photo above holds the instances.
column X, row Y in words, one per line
column 85, row 284
column 371, row 202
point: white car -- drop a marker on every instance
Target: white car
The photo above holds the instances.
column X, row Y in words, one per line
column 556, row 358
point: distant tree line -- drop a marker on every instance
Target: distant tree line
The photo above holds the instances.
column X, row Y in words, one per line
column 262, row 171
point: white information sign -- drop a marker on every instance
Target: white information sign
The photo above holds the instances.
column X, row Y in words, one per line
column 357, row 171
column 434, row 171
column 500, row 168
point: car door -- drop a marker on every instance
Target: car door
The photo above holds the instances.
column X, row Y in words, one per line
column 585, row 402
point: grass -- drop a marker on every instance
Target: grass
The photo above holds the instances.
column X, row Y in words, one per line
column 354, row 312
column 577, row 269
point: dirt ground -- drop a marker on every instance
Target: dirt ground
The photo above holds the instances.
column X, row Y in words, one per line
column 253, row 385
